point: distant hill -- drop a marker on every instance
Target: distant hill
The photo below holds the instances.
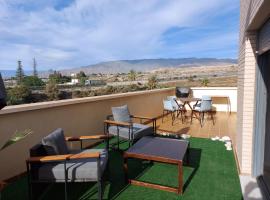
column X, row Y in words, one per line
column 124, row 66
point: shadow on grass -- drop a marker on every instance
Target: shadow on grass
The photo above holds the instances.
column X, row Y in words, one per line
column 193, row 162
column 137, row 168
column 117, row 176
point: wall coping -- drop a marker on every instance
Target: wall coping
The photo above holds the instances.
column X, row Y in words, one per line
column 52, row 104
column 214, row 88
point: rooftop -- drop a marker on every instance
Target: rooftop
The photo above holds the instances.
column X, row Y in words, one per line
column 211, row 174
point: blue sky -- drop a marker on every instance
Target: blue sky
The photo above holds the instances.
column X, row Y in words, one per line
column 73, row 33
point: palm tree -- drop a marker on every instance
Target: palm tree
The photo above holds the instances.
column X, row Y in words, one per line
column 205, row 82
column 132, row 75
column 17, row 136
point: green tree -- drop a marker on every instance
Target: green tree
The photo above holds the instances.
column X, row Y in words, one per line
column 19, row 73
column 32, row 81
column 65, row 79
column 132, row 75
column 18, row 95
column 35, row 73
column 205, row 82
column 82, row 77
column 81, row 74
column 82, row 80
column 152, row 82
column 52, row 91
column 190, row 78
column 57, row 78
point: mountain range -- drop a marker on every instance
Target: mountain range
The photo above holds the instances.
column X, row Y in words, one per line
column 124, row 66
column 142, row 65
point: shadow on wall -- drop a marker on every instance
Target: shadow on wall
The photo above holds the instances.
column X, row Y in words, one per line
column 251, row 189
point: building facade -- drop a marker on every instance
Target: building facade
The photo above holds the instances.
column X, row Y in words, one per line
column 252, row 145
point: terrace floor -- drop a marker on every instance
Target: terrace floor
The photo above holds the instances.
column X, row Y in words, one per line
column 225, row 125
column 210, row 175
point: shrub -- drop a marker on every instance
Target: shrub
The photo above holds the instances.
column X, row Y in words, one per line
column 205, row 82
column 18, row 95
column 32, row 81
column 132, row 75
column 52, row 91
column 152, row 82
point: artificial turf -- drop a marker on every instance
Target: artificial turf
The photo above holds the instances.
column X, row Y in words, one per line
column 211, row 175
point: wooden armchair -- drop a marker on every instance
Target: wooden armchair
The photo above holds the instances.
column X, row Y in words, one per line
column 52, row 161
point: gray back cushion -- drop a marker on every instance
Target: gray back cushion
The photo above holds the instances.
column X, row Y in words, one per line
column 121, row 114
column 55, row 143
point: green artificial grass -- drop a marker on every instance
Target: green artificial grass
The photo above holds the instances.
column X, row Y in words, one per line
column 211, row 174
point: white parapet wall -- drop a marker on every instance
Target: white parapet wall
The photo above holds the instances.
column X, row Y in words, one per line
column 224, row 98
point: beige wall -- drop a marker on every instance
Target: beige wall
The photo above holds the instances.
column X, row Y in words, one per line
column 246, row 104
column 221, row 96
column 253, row 13
column 77, row 117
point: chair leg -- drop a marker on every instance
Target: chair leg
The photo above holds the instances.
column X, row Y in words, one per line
column 99, row 180
column 117, row 138
column 106, row 132
column 172, row 114
column 29, row 182
column 99, row 190
column 212, row 117
column 162, row 115
column 191, row 117
column 66, row 177
column 182, row 116
column 201, row 119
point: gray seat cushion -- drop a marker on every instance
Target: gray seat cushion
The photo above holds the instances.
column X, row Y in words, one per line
column 55, row 143
column 139, row 130
column 121, row 114
column 199, row 109
column 82, row 170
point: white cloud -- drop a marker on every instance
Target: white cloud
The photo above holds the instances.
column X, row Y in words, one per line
column 89, row 31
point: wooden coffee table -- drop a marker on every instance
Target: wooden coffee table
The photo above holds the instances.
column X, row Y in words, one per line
column 165, row 150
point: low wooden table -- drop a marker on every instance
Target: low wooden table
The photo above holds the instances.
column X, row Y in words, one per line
column 171, row 151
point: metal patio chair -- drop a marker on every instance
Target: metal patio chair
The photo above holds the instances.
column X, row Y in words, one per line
column 205, row 106
column 121, row 124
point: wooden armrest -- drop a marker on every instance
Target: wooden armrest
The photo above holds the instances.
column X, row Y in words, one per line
column 117, row 123
column 84, row 155
column 57, row 158
column 48, row 158
column 143, row 117
column 88, row 137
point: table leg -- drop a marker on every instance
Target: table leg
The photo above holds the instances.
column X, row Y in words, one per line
column 126, row 169
column 188, row 153
column 180, row 178
column 229, row 105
